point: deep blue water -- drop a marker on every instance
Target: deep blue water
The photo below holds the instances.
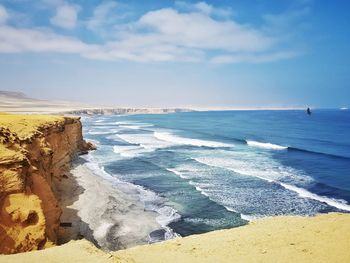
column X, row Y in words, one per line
column 214, row 170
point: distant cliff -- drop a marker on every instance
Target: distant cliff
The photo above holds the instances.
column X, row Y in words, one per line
column 35, row 153
column 111, row 111
column 17, row 102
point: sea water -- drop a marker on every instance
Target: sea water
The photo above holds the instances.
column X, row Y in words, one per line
column 203, row 171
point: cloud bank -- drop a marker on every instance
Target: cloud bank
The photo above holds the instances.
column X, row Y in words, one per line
column 66, row 16
column 185, row 32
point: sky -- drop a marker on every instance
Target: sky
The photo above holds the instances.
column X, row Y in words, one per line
column 161, row 53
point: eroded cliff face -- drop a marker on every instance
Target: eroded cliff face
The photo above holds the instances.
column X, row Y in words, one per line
column 35, row 155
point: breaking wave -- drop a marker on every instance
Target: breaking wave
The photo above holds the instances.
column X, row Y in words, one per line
column 169, row 137
column 266, row 145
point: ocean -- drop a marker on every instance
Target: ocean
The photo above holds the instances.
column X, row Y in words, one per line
column 203, row 171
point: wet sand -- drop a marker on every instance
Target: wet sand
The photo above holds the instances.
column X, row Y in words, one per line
column 101, row 213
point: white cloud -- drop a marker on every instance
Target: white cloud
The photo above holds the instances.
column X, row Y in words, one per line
column 197, row 30
column 255, row 58
column 157, row 36
column 3, row 15
column 287, row 21
column 14, row 40
column 66, row 16
column 205, row 8
column 101, row 15
column 168, row 35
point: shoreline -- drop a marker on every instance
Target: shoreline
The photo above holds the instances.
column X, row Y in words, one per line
column 102, row 213
column 286, row 238
column 111, row 214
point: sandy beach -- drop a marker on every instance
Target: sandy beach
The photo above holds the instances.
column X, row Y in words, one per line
column 279, row 239
column 102, row 213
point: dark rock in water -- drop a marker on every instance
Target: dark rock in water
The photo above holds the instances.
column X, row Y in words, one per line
column 308, row 111
column 157, row 236
column 86, row 147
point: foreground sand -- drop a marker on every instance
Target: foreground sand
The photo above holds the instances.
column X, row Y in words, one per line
column 324, row 238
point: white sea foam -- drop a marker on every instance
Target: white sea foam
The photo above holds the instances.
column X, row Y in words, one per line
column 249, row 217
column 98, row 132
column 243, row 216
column 272, row 176
column 151, row 200
column 124, row 122
column 136, row 127
column 145, row 140
column 102, row 230
column 241, row 167
column 129, row 150
column 266, row 145
column 230, row 209
column 167, row 215
column 133, row 127
column 199, row 187
column 211, row 222
column 133, row 124
column 169, row 137
column 95, row 168
column 104, row 124
column 338, row 203
column 178, row 173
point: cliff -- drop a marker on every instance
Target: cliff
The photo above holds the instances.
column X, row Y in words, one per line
column 17, row 102
column 110, row 111
column 324, row 238
column 35, row 154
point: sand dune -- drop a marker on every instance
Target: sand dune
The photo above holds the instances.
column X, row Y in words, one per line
column 324, row 238
column 17, row 102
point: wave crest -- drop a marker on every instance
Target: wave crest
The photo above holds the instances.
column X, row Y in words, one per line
column 169, row 137
column 338, row 203
column 215, row 162
column 266, row 145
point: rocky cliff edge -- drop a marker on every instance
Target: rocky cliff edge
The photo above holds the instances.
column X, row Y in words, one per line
column 36, row 152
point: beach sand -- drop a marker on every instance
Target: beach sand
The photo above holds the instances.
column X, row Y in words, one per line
column 101, row 212
column 324, row 238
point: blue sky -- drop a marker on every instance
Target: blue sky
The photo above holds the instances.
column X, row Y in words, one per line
column 224, row 54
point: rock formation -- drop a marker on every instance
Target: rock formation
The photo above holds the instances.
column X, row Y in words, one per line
column 121, row 111
column 35, row 154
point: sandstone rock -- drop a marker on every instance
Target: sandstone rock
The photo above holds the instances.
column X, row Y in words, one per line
column 35, row 153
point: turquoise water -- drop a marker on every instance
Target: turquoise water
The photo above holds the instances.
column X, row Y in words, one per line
column 203, row 171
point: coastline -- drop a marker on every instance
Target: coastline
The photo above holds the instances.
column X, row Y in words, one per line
column 102, row 213
column 109, row 214
column 285, row 239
